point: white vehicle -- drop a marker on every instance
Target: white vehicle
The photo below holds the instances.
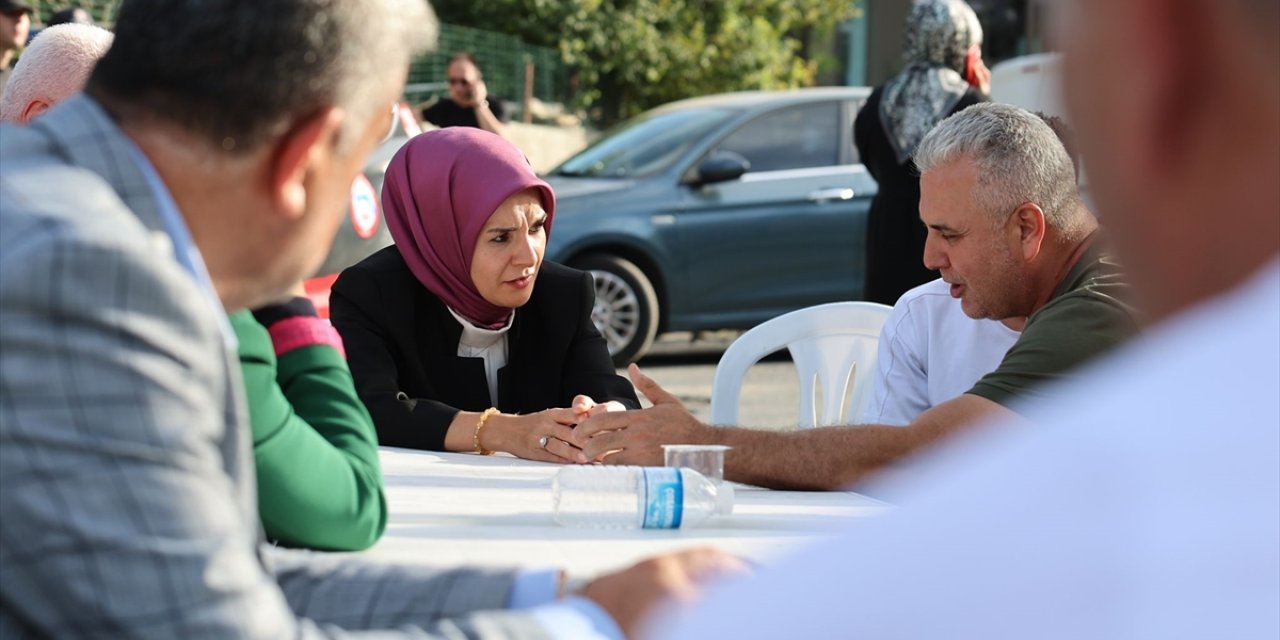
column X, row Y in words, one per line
column 1032, row 82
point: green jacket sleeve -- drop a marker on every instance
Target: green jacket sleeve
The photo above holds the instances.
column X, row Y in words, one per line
column 314, row 445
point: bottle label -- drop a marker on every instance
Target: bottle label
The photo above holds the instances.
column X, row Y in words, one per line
column 663, row 497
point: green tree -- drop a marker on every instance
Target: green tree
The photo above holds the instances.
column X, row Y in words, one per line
column 630, row 55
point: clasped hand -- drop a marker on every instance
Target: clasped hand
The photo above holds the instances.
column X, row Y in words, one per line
column 547, row 435
column 636, row 437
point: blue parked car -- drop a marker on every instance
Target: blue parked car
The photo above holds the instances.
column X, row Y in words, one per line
column 717, row 212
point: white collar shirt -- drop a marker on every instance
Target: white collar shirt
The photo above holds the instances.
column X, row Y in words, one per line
column 489, row 345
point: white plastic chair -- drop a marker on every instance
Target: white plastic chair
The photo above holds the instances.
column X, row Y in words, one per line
column 833, row 345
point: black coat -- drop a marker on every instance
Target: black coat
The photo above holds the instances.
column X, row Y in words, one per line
column 402, row 346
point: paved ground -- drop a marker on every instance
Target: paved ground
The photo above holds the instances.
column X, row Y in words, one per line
column 685, row 367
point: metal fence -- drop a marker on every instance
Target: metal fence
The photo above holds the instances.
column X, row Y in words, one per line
column 503, row 60
column 103, row 11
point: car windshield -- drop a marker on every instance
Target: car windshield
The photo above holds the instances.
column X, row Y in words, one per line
column 643, row 145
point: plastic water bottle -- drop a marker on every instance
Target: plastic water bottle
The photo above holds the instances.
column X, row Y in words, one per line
column 605, row 497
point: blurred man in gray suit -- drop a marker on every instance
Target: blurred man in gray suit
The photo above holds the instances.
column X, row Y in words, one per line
column 205, row 170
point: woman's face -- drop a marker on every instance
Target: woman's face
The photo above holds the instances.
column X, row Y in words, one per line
column 509, row 250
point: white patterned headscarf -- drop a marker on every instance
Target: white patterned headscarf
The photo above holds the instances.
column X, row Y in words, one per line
column 938, row 37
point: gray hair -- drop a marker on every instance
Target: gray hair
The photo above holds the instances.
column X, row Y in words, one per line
column 1020, row 159
column 239, row 72
column 53, row 67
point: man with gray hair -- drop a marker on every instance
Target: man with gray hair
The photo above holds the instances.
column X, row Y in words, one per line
column 930, row 351
column 206, row 170
column 1012, row 237
column 52, row 69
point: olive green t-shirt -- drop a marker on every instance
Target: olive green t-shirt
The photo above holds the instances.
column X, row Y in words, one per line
column 1086, row 316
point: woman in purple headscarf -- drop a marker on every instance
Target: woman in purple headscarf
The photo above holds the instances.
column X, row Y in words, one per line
column 460, row 337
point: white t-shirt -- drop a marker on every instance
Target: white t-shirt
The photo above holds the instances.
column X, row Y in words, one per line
column 931, row 352
column 1144, row 503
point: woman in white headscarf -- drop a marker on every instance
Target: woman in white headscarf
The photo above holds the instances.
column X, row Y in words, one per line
column 944, row 73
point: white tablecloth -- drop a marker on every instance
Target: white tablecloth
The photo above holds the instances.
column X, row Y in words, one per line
column 454, row 508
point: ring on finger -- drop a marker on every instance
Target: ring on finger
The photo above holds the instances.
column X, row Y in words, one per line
column 542, row 442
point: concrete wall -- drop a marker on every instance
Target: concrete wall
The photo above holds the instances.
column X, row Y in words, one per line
column 548, row 146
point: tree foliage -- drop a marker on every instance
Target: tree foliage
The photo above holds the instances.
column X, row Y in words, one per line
column 630, row 55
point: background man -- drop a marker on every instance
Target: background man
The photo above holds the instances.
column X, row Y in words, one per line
column 1146, row 501
column 15, row 22
column 468, row 104
column 182, row 186
column 53, row 68
column 1010, row 235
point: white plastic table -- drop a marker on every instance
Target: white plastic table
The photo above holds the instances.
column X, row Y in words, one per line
column 456, row 508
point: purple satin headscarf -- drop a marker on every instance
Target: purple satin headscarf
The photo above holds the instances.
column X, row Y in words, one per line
column 440, row 189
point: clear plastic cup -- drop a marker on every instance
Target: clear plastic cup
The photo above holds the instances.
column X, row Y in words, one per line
column 707, row 459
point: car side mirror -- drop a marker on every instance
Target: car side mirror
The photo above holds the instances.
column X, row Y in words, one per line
column 720, row 166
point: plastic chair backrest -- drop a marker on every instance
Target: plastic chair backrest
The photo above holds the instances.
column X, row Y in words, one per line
column 833, row 345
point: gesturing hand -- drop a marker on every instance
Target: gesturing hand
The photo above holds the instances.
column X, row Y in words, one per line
column 637, row 436
column 633, row 593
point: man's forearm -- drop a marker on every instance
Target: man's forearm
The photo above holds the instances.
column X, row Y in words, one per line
column 823, row 458
column 835, row 457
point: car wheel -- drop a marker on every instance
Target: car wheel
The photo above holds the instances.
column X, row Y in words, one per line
column 626, row 307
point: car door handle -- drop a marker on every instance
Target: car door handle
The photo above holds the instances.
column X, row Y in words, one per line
column 838, row 193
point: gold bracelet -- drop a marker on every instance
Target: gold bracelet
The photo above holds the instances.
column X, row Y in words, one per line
column 475, row 438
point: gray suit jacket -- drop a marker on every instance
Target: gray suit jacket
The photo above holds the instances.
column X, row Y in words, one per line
column 127, row 497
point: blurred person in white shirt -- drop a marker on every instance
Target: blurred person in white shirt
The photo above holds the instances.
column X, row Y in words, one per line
column 1145, row 502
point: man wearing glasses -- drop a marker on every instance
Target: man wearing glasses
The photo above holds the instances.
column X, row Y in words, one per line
column 468, row 104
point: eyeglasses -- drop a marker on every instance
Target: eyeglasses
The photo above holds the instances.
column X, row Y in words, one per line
column 395, row 117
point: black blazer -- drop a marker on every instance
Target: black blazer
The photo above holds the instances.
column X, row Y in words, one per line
column 402, row 345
